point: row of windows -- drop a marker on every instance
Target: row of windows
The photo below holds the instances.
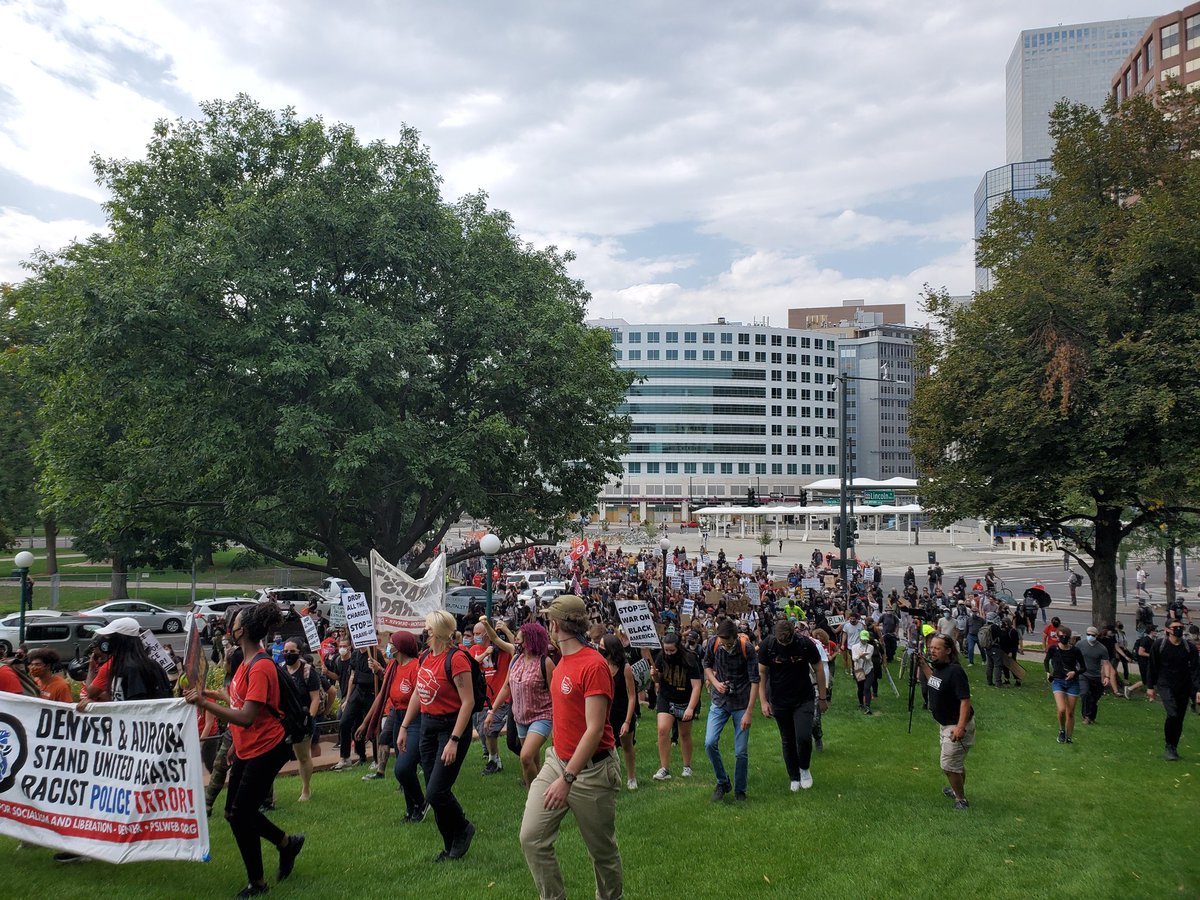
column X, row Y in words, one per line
column 726, row 356
column 707, row 449
column 691, row 409
column 653, row 468
column 709, row 337
column 697, row 428
column 708, row 374
column 695, row 390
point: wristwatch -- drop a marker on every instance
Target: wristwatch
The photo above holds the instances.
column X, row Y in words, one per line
column 455, row 738
column 568, row 777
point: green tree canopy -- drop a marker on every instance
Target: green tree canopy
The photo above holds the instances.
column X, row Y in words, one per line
column 291, row 341
column 1067, row 397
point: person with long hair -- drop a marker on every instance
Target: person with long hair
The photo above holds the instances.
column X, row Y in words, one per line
column 121, row 668
column 950, row 705
column 1063, row 665
column 786, row 661
column 399, row 686
column 528, row 688
column 677, row 674
column 259, row 748
column 309, row 686
column 446, row 702
column 623, row 713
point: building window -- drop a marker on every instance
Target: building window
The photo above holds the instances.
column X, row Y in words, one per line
column 616, row 353
column 760, row 340
column 791, row 449
column 1170, row 41
column 820, row 450
column 726, row 356
column 652, row 468
column 635, row 355
column 760, row 357
column 791, row 392
column 743, row 356
column 651, row 337
column 672, row 337
column 820, row 469
column 776, row 468
column 806, row 449
column 776, row 375
column 744, row 338
column 791, row 340
column 652, row 354
column 689, row 468
column 777, row 410
column 805, row 342
column 689, row 337
column 709, row 337
column 726, row 337
column 831, row 469
column 777, row 449
column 791, row 431
column 805, row 468
column 635, row 468
column 818, row 343
column 791, row 376
column 776, row 393
column 726, row 468
column 709, row 355
column 777, row 359
column 743, row 468
column 673, row 355
column 635, row 337
column 1192, row 32
column 672, row 468
column 791, row 412
column 760, row 468
column 708, row 468
column 777, row 430
column 791, row 359
column 791, row 468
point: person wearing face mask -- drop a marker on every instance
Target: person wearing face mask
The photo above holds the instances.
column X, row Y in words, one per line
column 950, row 706
column 786, row 662
column 356, row 670
column 581, row 773
column 1063, row 665
column 390, row 707
column 1173, row 675
column 494, row 654
column 676, row 673
column 1097, row 665
column 309, row 686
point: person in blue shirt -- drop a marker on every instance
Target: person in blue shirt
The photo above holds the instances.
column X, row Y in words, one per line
column 277, row 648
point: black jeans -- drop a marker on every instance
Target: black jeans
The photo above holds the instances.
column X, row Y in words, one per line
column 1092, row 689
column 796, row 734
column 440, row 778
column 352, row 716
column 1175, row 703
column 406, row 762
column 250, row 782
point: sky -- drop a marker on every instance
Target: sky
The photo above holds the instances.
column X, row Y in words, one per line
column 700, row 159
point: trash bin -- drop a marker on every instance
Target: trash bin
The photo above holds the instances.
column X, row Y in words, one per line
column 932, row 557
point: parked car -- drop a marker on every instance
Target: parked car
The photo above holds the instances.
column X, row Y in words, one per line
column 333, row 588
column 544, row 593
column 298, row 599
column 533, row 578
column 460, row 598
column 69, row 636
column 10, row 627
column 213, row 609
column 156, row 618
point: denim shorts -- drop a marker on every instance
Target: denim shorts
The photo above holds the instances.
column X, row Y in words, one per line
column 539, row 726
column 1062, row 686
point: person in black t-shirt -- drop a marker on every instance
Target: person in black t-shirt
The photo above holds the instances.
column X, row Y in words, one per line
column 950, row 704
column 677, row 676
column 787, row 695
column 1174, row 675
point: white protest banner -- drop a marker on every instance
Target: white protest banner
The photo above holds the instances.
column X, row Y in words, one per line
column 689, row 608
column 869, row 573
column 670, row 570
column 641, row 567
column 835, row 621
column 310, row 632
column 156, row 650
column 192, row 651
column 753, row 593
column 677, row 582
column 638, row 623
column 359, row 621
column 695, row 585
column 811, row 584
column 403, row 602
column 745, row 566
column 458, row 604
column 120, row 783
column 337, row 614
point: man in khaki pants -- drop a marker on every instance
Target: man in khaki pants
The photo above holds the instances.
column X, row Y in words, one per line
column 581, row 773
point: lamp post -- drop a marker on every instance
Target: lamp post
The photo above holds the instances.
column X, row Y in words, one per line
column 490, row 545
column 24, row 562
column 664, row 544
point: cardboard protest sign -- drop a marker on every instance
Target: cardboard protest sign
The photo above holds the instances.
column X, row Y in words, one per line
column 835, row 621
column 156, row 650
column 830, row 581
column 401, row 601
column 638, row 623
column 121, row 782
column 811, row 584
column 337, row 615
column 359, row 621
column 780, row 586
column 712, row 598
column 310, row 632
column 192, row 651
column 737, row 605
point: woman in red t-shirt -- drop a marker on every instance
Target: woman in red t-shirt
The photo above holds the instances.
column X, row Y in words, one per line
column 259, row 750
column 399, row 686
column 446, row 701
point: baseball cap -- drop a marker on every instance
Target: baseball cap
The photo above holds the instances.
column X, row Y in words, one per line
column 126, row 625
column 927, row 630
column 1092, row 629
column 566, row 605
column 864, row 635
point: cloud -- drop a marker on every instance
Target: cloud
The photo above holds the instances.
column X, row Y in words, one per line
column 22, row 234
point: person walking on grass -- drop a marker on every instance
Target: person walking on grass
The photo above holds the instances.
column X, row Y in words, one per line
column 259, row 748
column 309, row 687
column 581, row 773
column 391, row 706
column 786, row 661
column 1096, row 674
column 623, row 714
column 676, row 673
column 1063, row 665
column 731, row 670
column 1173, row 675
column 526, row 692
column 950, row 705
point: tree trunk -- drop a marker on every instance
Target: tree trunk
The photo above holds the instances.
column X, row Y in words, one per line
column 50, row 526
column 1104, row 566
column 1169, row 563
column 120, row 579
column 348, row 569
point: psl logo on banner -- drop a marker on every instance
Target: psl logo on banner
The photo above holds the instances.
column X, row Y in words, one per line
column 403, row 602
column 579, row 548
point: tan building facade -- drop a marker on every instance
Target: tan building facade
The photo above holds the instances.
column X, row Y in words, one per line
column 840, row 316
column 1169, row 49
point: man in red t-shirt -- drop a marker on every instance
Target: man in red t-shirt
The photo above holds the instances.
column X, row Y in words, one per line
column 9, row 682
column 494, row 659
column 581, row 773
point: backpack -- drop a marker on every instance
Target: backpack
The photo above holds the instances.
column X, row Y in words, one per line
column 985, row 636
column 742, row 640
column 1076, row 579
column 28, row 686
column 478, row 681
column 1145, row 616
column 293, row 713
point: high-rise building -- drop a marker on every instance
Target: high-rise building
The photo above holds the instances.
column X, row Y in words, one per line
column 1168, row 49
column 721, row 409
column 1017, row 180
column 1075, row 62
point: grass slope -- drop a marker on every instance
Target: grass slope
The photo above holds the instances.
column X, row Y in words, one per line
column 1105, row 817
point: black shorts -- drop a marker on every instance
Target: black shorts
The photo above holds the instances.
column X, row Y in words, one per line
column 664, row 705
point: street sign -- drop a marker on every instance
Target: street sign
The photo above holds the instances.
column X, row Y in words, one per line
column 831, row 501
column 879, row 498
column 776, row 495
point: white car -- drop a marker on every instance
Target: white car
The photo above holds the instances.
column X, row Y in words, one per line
column 333, row 588
column 533, row 578
column 544, row 593
column 298, row 598
column 213, row 609
column 148, row 615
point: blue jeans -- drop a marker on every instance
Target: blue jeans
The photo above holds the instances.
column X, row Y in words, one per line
column 717, row 717
column 406, row 762
column 972, row 642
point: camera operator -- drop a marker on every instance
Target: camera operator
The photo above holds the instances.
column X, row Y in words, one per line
column 950, row 704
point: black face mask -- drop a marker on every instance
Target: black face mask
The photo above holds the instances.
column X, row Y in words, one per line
column 291, row 658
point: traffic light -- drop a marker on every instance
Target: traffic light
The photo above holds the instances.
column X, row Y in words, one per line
column 837, row 535
column 804, row 498
column 854, row 529
column 751, row 500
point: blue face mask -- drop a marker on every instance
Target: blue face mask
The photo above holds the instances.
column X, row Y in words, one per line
column 1091, row 639
column 388, row 652
column 477, row 639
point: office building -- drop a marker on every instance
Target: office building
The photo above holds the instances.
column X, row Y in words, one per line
column 1168, row 49
column 721, row 409
column 1017, row 180
column 835, row 316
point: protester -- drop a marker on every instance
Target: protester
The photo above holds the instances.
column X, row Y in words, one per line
column 785, row 664
column 41, row 664
column 526, row 691
column 581, row 773
column 950, row 705
column 676, row 673
column 259, row 748
column 494, row 655
column 862, row 656
column 447, row 701
column 1097, row 664
column 1063, row 665
column 358, row 670
column 731, row 669
column 1173, row 674
column 623, row 715
column 399, row 683
column 309, row 687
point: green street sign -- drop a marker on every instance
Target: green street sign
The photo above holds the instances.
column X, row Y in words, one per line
column 832, row 501
column 879, row 498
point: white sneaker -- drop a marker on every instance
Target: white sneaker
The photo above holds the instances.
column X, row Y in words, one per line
column 662, row 775
column 631, row 784
column 795, row 786
column 805, row 779
column 687, row 772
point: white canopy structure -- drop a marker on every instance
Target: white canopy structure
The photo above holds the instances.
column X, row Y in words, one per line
column 757, row 514
column 855, row 484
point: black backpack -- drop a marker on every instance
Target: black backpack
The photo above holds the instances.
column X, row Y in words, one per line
column 293, row 713
column 478, row 681
column 1145, row 616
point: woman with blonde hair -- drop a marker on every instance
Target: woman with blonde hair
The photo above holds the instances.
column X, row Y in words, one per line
column 446, row 703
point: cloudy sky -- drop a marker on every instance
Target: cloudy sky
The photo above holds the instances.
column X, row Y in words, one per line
column 701, row 158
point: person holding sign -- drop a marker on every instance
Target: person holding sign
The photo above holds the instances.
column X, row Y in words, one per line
column 676, row 672
column 259, row 749
column 447, row 700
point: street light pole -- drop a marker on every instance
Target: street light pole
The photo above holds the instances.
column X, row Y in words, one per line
column 490, row 545
column 24, row 562
column 664, row 545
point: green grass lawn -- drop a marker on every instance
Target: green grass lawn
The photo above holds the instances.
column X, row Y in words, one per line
column 1105, row 817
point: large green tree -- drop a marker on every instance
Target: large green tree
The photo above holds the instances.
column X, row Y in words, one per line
column 291, row 341
column 1067, row 397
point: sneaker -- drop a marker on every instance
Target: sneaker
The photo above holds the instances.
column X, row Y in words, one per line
column 794, row 786
column 499, row 764
column 1126, row 692
column 342, row 765
column 361, row 761
column 662, row 775
column 442, row 857
column 686, row 773
column 1171, row 754
column 1062, row 737
column 720, row 791
column 251, row 890
column 631, row 784
column 417, row 815
column 867, row 711
column 491, row 768
column 373, row 775
column 805, row 779
column 948, row 792
column 740, row 796
column 288, row 854
column 1069, row 741
column 461, row 844
column 962, row 804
